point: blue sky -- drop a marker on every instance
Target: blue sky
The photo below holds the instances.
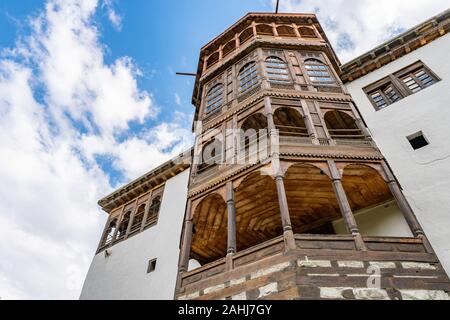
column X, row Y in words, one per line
column 89, row 100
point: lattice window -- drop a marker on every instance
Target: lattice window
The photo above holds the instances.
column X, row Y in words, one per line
column 318, row 72
column 214, row 99
column 138, row 217
column 395, row 87
column 153, row 210
column 384, row 96
column 248, row 77
column 418, row 80
column 277, row 70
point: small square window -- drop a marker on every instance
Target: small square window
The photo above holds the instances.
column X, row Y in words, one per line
column 151, row 266
column 417, row 140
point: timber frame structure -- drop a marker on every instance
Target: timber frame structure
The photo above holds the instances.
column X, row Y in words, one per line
column 264, row 229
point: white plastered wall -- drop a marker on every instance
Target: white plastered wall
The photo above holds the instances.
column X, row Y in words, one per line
column 384, row 220
column 123, row 274
column 424, row 174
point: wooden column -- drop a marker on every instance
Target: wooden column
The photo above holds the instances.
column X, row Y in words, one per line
column 187, row 240
column 402, row 203
column 130, row 222
column 288, row 234
column 359, row 122
column 346, row 211
column 119, row 221
column 309, row 122
column 147, row 208
column 231, row 220
column 103, row 238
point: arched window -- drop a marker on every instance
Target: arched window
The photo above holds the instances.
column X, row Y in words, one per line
column 277, row 70
column 318, row 72
column 264, row 29
column 228, row 48
column 214, row 99
column 109, row 234
column 248, row 77
column 212, row 59
column 123, row 225
column 154, row 209
column 306, row 32
column 286, row 31
column 138, row 217
column 342, row 126
column 290, row 122
column 211, row 155
column 246, row 35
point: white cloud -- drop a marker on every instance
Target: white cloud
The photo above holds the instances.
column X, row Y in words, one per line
column 60, row 106
column 177, row 99
column 113, row 16
column 356, row 26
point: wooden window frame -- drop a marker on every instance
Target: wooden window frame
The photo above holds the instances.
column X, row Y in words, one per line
column 411, row 71
column 252, row 82
column 399, row 86
column 318, row 62
column 270, row 71
column 216, row 96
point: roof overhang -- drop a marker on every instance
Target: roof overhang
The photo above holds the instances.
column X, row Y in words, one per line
column 397, row 47
column 146, row 182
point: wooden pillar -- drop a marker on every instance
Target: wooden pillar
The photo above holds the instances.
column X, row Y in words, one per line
column 274, row 29
column 103, row 238
column 147, row 209
column 119, row 222
column 130, row 222
column 231, row 221
column 402, row 203
column 359, row 122
column 346, row 211
column 309, row 122
column 187, row 240
column 288, row 234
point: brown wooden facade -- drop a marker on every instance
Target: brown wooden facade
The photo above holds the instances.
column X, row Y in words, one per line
column 278, row 72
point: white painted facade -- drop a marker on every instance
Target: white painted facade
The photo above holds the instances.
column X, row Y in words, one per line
column 123, row 274
column 424, row 174
column 383, row 220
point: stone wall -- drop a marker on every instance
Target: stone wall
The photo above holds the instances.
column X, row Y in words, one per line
column 337, row 274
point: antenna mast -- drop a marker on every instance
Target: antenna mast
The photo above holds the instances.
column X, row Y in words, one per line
column 276, row 8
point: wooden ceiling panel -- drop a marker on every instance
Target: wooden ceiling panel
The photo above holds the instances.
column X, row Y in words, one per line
column 364, row 187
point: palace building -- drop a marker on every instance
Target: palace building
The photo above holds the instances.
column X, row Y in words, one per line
column 308, row 179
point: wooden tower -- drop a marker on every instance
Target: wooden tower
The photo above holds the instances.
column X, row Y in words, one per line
column 281, row 219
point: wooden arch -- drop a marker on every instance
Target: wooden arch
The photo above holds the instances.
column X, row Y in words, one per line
column 311, row 199
column 255, row 121
column 209, row 242
column 257, row 210
column 364, row 186
column 307, row 32
column 290, row 122
column 264, row 29
column 286, row 31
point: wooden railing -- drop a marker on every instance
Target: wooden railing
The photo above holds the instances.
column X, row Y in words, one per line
column 313, row 246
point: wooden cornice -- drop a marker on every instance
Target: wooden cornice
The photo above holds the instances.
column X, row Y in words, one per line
column 397, row 47
column 146, row 182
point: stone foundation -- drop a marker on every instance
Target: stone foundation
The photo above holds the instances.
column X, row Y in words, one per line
column 345, row 274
